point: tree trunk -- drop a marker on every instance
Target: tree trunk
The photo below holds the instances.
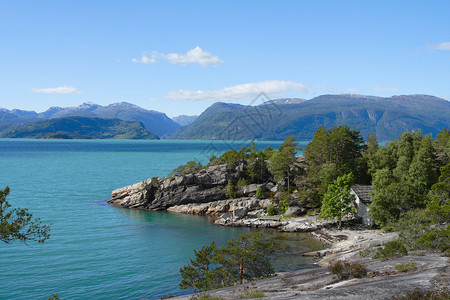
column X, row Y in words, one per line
column 241, row 273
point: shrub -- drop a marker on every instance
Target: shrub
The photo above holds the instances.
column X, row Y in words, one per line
column 345, row 270
column 406, row 267
column 250, row 293
column 190, row 167
column 209, row 297
column 419, row 294
column 271, row 210
column 230, row 190
column 390, row 250
column 259, row 193
column 240, row 185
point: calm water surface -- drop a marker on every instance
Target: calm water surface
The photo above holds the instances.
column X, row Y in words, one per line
column 97, row 251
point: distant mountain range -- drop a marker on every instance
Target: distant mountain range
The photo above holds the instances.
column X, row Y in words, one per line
column 277, row 119
column 272, row 120
column 184, row 120
column 155, row 122
column 82, row 128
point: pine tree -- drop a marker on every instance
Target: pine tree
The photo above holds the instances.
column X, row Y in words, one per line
column 196, row 276
column 18, row 223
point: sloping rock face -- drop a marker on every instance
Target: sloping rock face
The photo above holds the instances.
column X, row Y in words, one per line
column 206, row 185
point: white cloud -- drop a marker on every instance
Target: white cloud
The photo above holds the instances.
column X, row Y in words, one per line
column 350, row 90
column 194, row 56
column 441, row 46
column 145, row 59
column 273, row 88
column 384, row 89
column 57, row 90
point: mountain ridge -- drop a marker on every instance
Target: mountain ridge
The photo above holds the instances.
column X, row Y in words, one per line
column 77, row 127
column 387, row 117
column 154, row 121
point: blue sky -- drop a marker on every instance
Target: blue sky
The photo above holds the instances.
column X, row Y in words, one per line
column 179, row 57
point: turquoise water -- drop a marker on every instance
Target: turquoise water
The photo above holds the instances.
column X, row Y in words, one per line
column 97, row 251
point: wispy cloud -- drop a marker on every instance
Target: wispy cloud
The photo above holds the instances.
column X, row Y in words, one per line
column 384, row 89
column 273, row 88
column 194, row 56
column 57, row 90
column 441, row 46
column 354, row 91
column 144, row 59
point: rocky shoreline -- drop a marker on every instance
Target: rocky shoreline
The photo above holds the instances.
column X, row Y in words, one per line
column 383, row 280
column 203, row 193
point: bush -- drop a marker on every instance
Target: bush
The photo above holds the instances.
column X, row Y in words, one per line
column 345, row 270
column 230, row 190
column 419, row 294
column 390, row 250
column 259, row 193
column 418, row 231
column 406, row 267
column 240, row 185
column 250, row 293
column 271, row 210
column 209, row 297
column 190, row 167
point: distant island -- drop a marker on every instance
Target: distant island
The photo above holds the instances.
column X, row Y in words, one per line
column 276, row 119
column 82, row 128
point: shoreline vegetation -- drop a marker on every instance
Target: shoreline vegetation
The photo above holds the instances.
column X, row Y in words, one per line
column 311, row 193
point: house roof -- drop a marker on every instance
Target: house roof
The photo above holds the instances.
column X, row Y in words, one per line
column 364, row 192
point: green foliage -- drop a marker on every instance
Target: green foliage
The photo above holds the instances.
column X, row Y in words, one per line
column 209, row 297
column 283, row 160
column 418, row 230
column 260, row 193
column 190, row 167
column 242, row 182
column 390, row 250
column 18, row 223
column 345, row 270
column 409, row 267
column 243, row 259
column 419, row 294
column 196, row 276
column 271, row 210
column 82, row 128
column 54, row 297
column 230, row 190
column 256, row 168
column 250, row 293
column 246, row 258
column 332, row 153
column 403, row 172
column 439, row 198
column 285, row 200
column 337, row 201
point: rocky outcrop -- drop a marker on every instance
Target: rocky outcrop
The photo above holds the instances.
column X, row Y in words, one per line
column 206, row 185
column 236, row 208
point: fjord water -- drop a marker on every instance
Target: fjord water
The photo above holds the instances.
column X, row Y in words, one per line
column 97, row 251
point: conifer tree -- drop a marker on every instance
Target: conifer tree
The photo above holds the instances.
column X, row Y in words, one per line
column 18, row 223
